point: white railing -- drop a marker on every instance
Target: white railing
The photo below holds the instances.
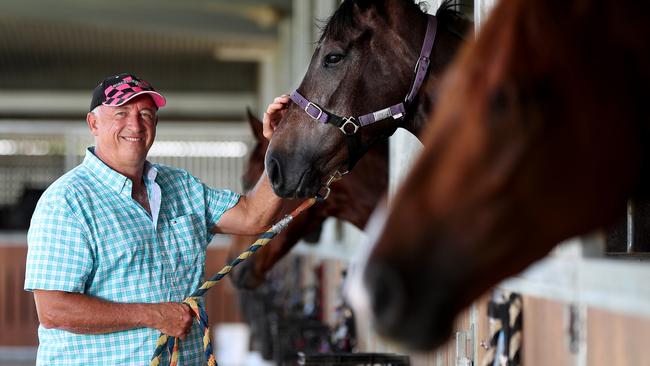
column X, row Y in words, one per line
column 35, row 153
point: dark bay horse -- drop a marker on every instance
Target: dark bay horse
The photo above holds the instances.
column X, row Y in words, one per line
column 365, row 60
column 356, row 29
column 541, row 133
column 352, row 199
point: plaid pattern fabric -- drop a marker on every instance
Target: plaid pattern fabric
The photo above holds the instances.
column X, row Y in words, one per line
column 89, row 236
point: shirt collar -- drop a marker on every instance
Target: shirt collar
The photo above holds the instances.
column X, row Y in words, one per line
column 150, row 172
column 110, row 177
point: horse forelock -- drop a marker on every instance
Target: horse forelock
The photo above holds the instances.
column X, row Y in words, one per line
column 344, row 19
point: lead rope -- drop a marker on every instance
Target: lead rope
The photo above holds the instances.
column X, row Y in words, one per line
column 172, row 343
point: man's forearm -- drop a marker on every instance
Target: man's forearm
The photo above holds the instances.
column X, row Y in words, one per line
column 264, row 205
column 83, row 314
column 255, row 212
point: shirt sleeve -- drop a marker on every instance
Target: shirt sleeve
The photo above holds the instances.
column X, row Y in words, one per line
column 59, row 255
column 218, row 201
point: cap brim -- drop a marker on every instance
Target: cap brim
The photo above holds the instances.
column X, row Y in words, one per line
column 157, row 98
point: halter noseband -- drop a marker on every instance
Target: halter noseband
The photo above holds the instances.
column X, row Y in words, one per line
column 350, row 125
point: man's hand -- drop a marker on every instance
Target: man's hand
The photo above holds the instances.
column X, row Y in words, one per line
column 274, row 113
column 172, row 318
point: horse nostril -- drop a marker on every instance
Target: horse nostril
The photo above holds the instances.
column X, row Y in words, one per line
column 387, row 295
column 275, row 174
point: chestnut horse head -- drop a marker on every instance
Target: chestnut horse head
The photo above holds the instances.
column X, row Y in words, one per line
column 540, row 134
column 255, row 163
column 363, row 67
column 352, row 199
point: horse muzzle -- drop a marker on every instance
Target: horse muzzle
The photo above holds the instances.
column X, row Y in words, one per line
column 404, row 310
column 291, row 178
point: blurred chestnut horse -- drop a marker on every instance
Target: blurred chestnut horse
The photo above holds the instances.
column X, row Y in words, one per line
column 352, row 199
column 541, row 133
column 365, row 60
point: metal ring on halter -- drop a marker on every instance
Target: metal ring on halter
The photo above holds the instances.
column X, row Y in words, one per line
column 349, row 121
column 332, row 178
column 323, row 193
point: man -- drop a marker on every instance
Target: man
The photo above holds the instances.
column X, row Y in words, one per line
column 116, row 243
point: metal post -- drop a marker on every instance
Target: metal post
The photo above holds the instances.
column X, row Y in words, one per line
column 482, row 9
column 301, row 34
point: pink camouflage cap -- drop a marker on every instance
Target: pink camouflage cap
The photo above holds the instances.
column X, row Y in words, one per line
column 119, row 89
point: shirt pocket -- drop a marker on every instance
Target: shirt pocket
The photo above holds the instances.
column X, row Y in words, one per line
column 186, row 242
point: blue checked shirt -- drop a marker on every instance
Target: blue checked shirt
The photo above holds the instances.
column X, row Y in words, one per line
column 89, row 236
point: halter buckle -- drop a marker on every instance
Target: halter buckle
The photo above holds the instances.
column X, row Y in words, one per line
column 349, row 121
column 417, row 64
column 313, row 105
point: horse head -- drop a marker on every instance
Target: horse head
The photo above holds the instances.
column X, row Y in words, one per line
column 351, row 199
column 364, row 63
column 531, row 143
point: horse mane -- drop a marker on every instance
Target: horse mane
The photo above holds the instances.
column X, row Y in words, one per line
column 452, row 19
column 343, row 18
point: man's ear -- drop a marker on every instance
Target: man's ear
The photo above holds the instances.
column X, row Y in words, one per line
column 91, row 120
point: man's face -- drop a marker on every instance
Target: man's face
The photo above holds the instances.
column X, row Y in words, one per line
column 124, row 134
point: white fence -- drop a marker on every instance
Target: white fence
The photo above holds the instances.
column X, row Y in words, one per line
column 33, row 154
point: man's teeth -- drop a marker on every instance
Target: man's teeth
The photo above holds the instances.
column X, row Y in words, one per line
column 133, row 139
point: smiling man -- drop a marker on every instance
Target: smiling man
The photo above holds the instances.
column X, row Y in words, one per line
column 117, row 243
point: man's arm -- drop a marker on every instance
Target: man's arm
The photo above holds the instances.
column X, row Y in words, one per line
column 260, row 208
column 254, row 213
column 83, row 314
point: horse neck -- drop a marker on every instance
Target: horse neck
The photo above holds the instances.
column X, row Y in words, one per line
column 422, row 110
column 355, row 197
column 446, row 46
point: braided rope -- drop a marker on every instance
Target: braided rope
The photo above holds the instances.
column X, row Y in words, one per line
column 172, row 343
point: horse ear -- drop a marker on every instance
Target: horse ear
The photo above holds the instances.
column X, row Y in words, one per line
column 364, row 4
column 256, row 125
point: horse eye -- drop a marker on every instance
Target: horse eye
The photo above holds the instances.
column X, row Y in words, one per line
column 332, row 59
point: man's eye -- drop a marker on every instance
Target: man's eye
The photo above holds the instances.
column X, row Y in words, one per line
column 332, row 59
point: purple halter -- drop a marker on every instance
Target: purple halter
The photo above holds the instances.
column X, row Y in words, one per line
column 350, row 125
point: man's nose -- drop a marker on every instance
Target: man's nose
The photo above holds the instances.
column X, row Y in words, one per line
column 135, row 122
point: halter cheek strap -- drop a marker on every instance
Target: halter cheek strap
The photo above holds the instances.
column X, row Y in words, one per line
column 350, row 125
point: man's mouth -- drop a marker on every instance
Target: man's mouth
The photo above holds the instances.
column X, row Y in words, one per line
column 133, row 139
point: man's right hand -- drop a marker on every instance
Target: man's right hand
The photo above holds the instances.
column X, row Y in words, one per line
column 172, row 318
